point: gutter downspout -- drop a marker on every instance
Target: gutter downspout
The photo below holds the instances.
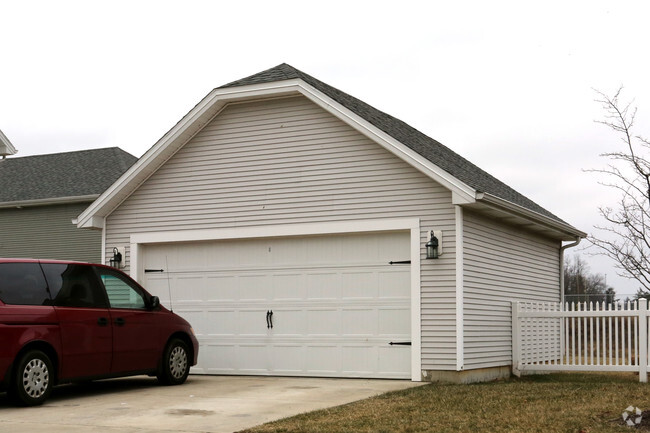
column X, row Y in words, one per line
column 573, row 244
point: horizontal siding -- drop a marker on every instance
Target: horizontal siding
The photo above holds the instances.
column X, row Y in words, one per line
column 502, row 263
column 47, row 232
column 287, row 161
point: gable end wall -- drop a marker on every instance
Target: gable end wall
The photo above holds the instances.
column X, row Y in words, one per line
column 287, row 161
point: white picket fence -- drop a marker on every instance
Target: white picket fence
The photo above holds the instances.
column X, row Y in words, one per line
column 580, row 337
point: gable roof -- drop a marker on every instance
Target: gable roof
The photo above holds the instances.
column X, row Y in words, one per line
column 61, row 177
column 6, row 148
column 471, row 186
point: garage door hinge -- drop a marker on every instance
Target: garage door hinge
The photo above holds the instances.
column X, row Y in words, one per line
column 400, row 343
column 402, row 262
column 146, row 271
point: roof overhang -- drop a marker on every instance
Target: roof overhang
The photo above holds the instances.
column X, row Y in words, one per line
column 48, row 201
column 210, row 106
column 519, row 216
column 6, row 148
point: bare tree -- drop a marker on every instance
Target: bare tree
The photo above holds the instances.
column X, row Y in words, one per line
column 625, row 236
column 580, row 285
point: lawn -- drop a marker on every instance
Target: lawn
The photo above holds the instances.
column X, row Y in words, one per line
column 581, row 403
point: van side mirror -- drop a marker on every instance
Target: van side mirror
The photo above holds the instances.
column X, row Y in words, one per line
column 154, row 302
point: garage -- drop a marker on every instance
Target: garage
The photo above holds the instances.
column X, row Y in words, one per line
column 326, row 305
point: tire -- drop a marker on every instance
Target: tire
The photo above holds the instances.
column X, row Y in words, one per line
column 175, row 364
column 32, row 379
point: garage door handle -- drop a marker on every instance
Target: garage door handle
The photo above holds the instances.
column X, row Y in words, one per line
column 269, row 319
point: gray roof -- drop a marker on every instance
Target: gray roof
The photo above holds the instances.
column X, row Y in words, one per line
column 59, row 175
column 437, row 153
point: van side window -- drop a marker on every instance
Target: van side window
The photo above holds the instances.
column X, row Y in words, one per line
column 23, row 284
column 74, row 285
column 121, row 292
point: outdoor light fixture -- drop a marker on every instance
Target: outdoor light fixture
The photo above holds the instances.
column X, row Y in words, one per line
column 117, row 258
column 433, row 246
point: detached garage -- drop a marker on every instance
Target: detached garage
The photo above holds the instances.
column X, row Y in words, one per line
column 289, row 223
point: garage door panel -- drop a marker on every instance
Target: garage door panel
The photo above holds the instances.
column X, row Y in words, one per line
column 393, row 321
column 251, row 323
column 253, row 358
column 323, row 286
column 358, row 322
column 393, row 284
column 391, row 360
column 323, row 360
column 336, row 303
column 290, row 358
column 254, row 287
column 288, row 287
column 359, row 285
column 359, row 359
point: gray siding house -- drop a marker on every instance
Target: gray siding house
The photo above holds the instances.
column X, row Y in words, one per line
column 42, row 194
column 288, row 221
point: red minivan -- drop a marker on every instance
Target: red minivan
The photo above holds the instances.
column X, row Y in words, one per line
column 70, row 321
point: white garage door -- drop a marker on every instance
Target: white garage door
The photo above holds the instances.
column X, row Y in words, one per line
column 292, row 306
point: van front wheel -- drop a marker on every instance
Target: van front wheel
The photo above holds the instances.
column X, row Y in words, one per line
column 175, row 363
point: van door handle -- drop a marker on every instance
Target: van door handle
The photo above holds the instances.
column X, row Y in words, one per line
column 102, row 321
column 120, row 321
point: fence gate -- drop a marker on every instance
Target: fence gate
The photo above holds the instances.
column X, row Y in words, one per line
column 580, row 337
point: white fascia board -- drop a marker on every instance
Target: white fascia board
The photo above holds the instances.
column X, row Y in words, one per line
column 48, row 201
column 536, row 217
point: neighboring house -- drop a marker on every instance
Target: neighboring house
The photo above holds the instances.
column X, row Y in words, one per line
column 42, row 194
column 6, row 148
column 271, row 211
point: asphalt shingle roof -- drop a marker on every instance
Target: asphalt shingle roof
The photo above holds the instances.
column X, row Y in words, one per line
column 57, row 175
column 434, row 151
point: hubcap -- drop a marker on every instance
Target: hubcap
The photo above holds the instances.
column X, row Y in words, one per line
column 178, row 362
column 36, row 378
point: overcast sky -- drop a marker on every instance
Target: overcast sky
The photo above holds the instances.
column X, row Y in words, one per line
column 507, row 85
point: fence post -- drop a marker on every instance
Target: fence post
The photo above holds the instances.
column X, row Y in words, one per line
column 516, row 339
column 643, row 340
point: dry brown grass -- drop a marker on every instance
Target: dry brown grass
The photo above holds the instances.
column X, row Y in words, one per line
column 584, row 403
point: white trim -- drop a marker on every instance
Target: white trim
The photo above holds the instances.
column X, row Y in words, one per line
column 137, row 240
column 48, row 201
column 460, row 337
column 416, row 295
column 103, row 255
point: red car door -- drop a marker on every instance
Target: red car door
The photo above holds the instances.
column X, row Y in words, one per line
column 137, row 345
column 84, row 320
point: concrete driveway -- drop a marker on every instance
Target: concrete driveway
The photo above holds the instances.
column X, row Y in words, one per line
column 203, row 404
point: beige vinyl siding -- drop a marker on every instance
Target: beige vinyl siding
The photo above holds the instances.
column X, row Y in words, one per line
column 287, row 161
column 47, row 232
column 502, row 263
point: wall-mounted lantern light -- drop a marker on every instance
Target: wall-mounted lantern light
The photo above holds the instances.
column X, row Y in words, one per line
column 116, row 261
column 433, row 246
